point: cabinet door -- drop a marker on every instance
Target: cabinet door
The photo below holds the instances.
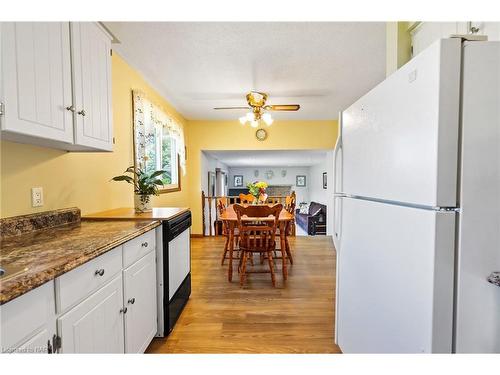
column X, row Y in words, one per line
column 28, row 321
column 90, row 48
column 36, row 80
column 96, row 324
column 140, row 300
column 40, row 343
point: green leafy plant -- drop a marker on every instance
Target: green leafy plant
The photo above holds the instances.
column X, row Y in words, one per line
column 145, row 183
column 257, row 188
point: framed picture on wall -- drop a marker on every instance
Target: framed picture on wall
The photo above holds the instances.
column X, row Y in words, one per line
column 300, row 181
column 238, row 180
column 324, row 180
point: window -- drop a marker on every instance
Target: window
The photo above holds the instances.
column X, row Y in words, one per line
column 158, row 142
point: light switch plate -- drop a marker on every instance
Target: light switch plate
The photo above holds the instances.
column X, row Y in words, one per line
column 37, row 197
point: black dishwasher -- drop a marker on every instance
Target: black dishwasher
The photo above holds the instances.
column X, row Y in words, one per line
column 174, row 270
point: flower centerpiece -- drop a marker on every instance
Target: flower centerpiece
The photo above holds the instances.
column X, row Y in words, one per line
column 145, row 185
column 258, row 190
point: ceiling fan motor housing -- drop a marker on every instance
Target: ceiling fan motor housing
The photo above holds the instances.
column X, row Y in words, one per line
column 256, row 99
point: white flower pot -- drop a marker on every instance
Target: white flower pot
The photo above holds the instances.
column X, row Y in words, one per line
column 142, row 203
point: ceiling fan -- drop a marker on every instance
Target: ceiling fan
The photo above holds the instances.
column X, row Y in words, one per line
column 257, row 105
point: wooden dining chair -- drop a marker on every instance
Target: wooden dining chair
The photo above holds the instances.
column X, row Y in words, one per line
column 257, row 238
column 290, row 228
column 246, row 198
column 221, row 207
column 290, row 200
column 290, row 204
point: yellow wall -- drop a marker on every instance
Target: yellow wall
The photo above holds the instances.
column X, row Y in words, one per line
column 82, row 179
column 230, row 135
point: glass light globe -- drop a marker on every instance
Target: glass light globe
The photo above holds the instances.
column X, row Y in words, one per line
column 243, row 120
column 267, row 119
column 254, row 123
column 250, row 116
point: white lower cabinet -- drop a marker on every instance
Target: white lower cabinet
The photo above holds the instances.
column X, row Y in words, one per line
column 96, row 324
column 102, row 307
column 139, row 281
column 41, row 343
column 28, row 323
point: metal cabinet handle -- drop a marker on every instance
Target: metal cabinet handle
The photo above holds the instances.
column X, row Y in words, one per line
column 494, row 278
column 144, row 244
column 56, row 344
column 71, row 108
column 99, row 272
column 124, row 310
column 131, row 300
column 82, row 112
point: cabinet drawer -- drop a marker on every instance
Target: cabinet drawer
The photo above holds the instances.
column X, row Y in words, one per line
column 74, row 286
column 138, row 247
column 25, row 315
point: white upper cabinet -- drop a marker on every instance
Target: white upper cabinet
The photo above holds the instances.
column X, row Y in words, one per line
column 92, row 85
column 55, row 85
column 37, row 80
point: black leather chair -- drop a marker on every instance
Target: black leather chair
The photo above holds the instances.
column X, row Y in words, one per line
column 314, row 222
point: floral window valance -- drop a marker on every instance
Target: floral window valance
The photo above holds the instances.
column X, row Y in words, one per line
column 158, row 140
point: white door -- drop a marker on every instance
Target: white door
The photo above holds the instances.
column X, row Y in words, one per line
column 400, row 141
column 96, row 324
column 478, row 302
column 36, row 80
column 140, row 299
column 92, row 85
column 395, row 285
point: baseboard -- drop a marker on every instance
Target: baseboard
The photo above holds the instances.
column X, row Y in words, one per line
column 194, row 235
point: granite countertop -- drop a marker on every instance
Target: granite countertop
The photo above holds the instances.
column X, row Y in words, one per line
column 33, row 258
column 125, row 213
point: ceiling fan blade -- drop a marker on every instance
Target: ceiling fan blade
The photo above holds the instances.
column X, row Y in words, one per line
column 282, row 107
column 232, row 108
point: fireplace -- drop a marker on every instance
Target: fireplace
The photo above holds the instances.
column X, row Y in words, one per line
column 278, row 190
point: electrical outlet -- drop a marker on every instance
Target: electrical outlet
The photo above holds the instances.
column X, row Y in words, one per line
column 37, row 197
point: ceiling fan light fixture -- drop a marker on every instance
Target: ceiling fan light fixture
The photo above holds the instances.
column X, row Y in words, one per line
column 250, row 116
column 267, row 119
column 254, row 123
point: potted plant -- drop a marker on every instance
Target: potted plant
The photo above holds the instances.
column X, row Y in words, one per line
column 145, row 185
column 258, row 190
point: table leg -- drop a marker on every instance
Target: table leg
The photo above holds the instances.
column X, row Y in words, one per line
column 283, row 249
column 231, row 248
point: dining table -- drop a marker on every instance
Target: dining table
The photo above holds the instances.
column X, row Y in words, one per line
column 285, row 219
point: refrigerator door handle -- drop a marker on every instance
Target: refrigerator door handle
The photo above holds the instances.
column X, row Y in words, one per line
column 494, row 278
column 337, row 186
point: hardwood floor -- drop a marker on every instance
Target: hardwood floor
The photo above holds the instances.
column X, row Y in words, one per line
column 221, row 317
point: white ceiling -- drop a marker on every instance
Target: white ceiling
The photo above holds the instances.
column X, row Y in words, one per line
column 324, row 67
column 278, row 158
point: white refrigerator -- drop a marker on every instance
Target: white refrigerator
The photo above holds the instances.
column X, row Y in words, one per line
column 417, row 207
